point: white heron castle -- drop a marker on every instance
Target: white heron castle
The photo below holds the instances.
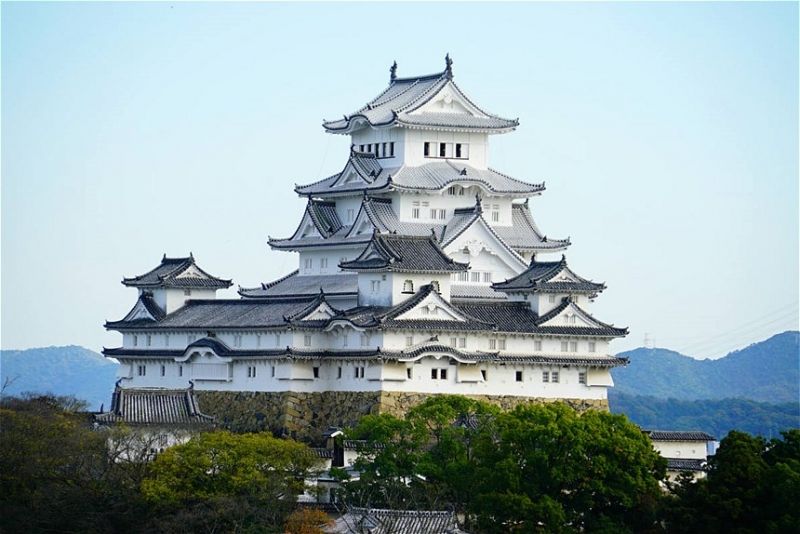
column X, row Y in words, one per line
column 421, row 271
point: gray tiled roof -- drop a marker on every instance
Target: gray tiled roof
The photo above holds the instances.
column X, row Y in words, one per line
column 376, row 354
column 154, row 407
column 538, row 275
column 398, row 253
column 148, row 302
column 523, row 234
column 382, row 521
column 475, row 292
column 685, row 464
column 678, row 435
column 397, row 103
column 167, row 273
column 433, row 176
column 297, row 285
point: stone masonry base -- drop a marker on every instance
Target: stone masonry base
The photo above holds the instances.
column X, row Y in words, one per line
column 306, row 416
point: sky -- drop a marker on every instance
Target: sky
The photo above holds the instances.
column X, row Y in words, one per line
column 667, row 135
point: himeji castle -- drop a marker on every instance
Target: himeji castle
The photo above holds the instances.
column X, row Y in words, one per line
column 420, row 272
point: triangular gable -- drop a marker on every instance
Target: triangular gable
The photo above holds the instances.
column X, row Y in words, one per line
column 323, row 312
column 432, row 307
column 191, row 271
column 139, row 312
column 306, row 228
column 358, row 174
column 448, row 99
column 479, row 236
column 363, row 225
column 564, row 274
column 574, row 316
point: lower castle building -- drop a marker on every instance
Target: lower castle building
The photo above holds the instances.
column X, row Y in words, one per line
column 420, row 272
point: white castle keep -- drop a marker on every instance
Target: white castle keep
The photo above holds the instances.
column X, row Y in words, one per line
column 421, row 272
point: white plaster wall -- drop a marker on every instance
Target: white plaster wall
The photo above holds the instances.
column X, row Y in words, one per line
column 682, row 449
column 382, row 135
column 382, row 296
column 398, row 281
column 176, row 298
column 413, row 148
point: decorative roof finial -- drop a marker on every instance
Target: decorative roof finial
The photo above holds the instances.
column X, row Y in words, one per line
column 393, row 72
column 478, row 205
column 448, row 66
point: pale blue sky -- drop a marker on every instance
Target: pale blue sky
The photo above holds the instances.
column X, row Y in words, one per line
column 666, row 133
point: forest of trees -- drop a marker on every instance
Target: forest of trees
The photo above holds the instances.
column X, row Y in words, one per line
column 533, row 469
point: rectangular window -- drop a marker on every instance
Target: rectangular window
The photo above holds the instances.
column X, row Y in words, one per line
column 483, row 374
column 487, row 277
column 149, row 340
column 180, row 370
column 426, row 149
column 462, row 342
column 272, row 372
column 442, row 374
column 251, row 372
column 316, row 372
column 434, row 374
column 442, row 214
column 551, row 299
column 277, row 340
column 545, row 376
column 408, row 373
column 501, row 344
column 451, row 190
column 339, row 373
column 357, row 372
column 564, row 346
column 376, row 286
column 537, row 345
column 344, row 340
column 433, row 213
column 135, row 341
column 415, row 213
column 475, row 277
column 391, row 149
column 495, row 216
column 458, row 150
column 364, row 340
column 453, row 342
column 142, row 370
column 163, row 370
column 361, row 148
column 442, row 150
column 166, row 340
column 384, row 146
column 409, row 341
column 592, row 346
column 307, row 340
column 582, row 377
column 308, row 263
column 258, row 340
column 573, row 346
column 518, row 376
column 492, row 344
column 554, row 377
column 323, row 263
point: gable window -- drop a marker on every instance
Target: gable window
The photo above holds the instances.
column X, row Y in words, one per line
column 307, row 340
column 545, row 376
column 518, row 376
column 592, row 346
column 408, row 286
column 537, row 345
column 582, row 377
column 316, row 372
column 551, row 299
column 426, row 149
column 409, row 341
column 554, row 377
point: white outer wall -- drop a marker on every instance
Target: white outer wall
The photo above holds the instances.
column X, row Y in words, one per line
column 697, row 450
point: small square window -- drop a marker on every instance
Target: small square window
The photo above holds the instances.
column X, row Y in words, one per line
column 545, row 376
column 537, row 345
column 554, row 376
column 518, row 376
column 307, row 340
column 462, row 342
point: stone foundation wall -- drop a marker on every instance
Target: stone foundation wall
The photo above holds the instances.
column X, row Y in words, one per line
column 306, row 416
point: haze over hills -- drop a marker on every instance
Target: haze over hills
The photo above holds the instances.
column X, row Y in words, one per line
column 69, row 370
column 767, row 371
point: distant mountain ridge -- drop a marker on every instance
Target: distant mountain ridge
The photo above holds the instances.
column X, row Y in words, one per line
column 68, row 370
column 767, row 371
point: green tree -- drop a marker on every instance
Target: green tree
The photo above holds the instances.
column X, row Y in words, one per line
column 753, row 486
column 254, row 478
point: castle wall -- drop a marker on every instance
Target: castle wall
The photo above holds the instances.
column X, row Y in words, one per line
column 306, row 415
